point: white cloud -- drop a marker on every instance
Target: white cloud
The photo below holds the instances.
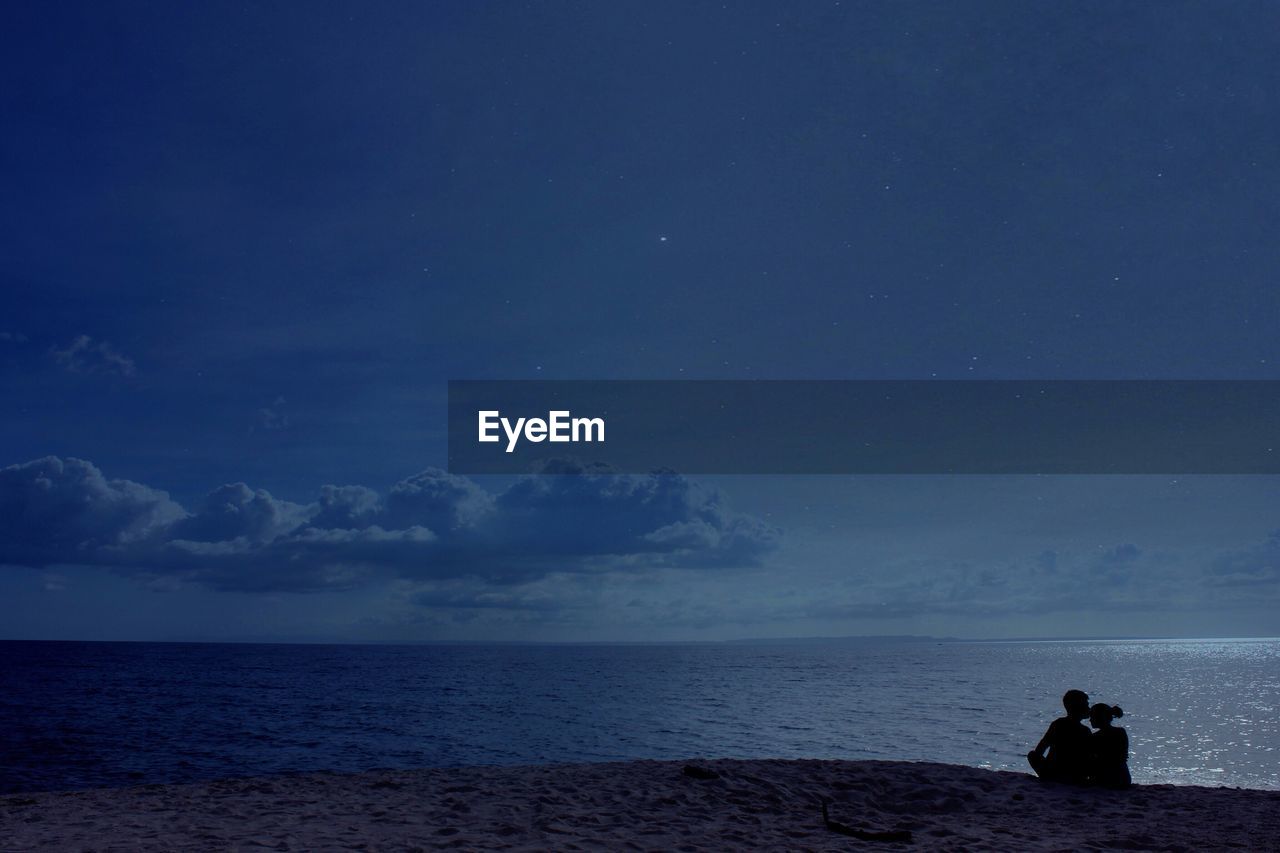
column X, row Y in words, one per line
column 430, row 526
column 84, row 355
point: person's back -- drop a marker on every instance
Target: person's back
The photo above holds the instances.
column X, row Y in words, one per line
column 1110, row 748
column 1067, row 742
column 1069, row 750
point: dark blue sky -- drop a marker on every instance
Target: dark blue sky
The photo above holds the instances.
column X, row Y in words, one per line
column 251, row 243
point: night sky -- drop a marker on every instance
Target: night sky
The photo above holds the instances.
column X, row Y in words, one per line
column 246, row 245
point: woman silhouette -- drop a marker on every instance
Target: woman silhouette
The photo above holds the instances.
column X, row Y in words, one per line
column 1109, row 753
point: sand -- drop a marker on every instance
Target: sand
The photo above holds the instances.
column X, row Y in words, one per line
column 643, row 805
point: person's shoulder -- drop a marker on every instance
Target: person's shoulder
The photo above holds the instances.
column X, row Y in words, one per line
column 1067, row 728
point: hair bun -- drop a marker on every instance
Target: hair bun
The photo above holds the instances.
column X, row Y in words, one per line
column 1117, row 712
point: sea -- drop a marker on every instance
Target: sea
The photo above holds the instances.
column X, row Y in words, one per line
column 80, row 715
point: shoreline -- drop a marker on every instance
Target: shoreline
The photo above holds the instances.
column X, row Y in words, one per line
column 644, row 805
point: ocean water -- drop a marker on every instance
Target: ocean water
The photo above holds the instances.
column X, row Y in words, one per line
column 76, row 715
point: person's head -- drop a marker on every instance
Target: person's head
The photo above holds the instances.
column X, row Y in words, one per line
column 1076, row 702
column 1102, row 714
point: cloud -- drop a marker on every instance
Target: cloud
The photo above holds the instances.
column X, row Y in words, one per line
column 65, row 511
column 346, row 507
column 13, row 338
column 1249, row 568
column 595, row 511
column 273, row 417
column 304, row 560
column 235, row 512
column 572, row 543
column 1120, row 578
column 455, row 595
column 83, row 355
column 443, row 502
column 432, row 526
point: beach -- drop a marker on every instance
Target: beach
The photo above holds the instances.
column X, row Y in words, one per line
column 644, row 805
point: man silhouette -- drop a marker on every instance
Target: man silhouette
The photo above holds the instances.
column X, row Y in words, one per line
column 1067, row 740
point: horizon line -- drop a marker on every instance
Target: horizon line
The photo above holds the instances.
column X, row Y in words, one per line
column 815, row 639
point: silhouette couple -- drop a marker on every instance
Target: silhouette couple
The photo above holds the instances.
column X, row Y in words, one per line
column 1078, row 757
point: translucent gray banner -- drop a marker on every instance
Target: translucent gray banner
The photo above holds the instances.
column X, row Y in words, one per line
column 868, row 427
